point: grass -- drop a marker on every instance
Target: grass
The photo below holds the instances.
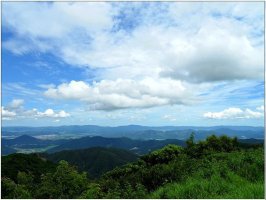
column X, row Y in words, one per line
column 216, row 187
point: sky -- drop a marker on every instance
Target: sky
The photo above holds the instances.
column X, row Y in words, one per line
column 119, row 63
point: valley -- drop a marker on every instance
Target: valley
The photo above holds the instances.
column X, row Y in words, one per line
column 132, row 100
column 137, row 139
column 159, row 169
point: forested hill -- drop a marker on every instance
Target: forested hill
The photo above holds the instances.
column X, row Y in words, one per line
column 95, row 161
column 136, row 146
column 215, row 168
column 29, row 144
column 29, row 163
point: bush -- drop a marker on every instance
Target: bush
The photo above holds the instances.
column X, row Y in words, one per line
column 65, row 182
column 214, row 188
column 164, row 155
column 11, row 190
column 92, row 192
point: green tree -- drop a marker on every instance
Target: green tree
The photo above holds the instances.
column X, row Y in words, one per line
column 11, row 190
column 65, row 183
column 164, row 155
column 93, row 191
column 190, row 142
column 25, row 179
column 191, row 148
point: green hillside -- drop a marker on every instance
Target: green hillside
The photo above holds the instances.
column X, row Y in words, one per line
column 29, row 163
column 215, row 168
column 95, row 160
column 137, row 146
column 237, row 174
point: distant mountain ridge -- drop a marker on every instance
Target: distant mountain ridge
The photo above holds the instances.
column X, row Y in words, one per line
column 29, row 140
column 126, row 127
column 10, row 146
column 23, row 139
column 29, row 144
column 137, row 146
column 139, row 132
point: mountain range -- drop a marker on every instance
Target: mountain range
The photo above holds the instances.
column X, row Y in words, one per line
column 136, row 146
column 136, row 131
column 29, row 144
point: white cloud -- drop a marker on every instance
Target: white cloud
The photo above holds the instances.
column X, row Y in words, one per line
column 51, row 113
column 179, row 46
column 204, row 42
column 59, row 18
column 125, row 93
column 213, row 54
column 6, row 114
column 234, row 113
column 260, row 108
column 15, row 111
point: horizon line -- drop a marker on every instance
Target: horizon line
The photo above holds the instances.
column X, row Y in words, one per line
column 129, row 125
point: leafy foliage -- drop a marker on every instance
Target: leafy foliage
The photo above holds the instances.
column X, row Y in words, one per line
column 137, row 146
column 215, row 168
column 34, row 164
column 96, row 160
column 65, row 182
column 164, row 155
column 231, row 187
column 214, row 161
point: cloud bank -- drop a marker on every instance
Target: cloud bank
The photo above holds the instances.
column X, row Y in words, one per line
column 198, row 43
column 235, row 113
column 124, row 93
column 143, row 54
column 15, row 110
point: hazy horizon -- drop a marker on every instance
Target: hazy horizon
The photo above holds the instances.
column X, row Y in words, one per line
column 134, row 125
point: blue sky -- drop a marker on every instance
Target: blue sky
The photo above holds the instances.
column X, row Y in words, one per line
column 156, row 63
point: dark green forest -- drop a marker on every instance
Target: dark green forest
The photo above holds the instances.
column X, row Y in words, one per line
column 218, row 167
column 95, row 161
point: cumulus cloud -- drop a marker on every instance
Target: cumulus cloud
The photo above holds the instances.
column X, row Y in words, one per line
column 213, row 54
column 125, row 93
column 6, row 114
column 199, row 43
column 51, row 113
column 234, row 113
column 178, row 46
column 15, row 111
column 60, row 18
